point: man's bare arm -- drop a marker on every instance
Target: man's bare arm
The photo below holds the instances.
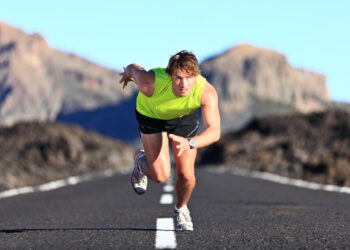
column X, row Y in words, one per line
column 211, row 119
column 143, row 79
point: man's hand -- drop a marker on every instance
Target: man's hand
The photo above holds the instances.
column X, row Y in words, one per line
column 126, row 77
column 182, row 143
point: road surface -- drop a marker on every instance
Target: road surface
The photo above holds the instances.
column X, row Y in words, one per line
column 229, row 212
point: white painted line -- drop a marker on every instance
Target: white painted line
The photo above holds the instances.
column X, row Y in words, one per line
column 166, row 199
column 52, row 185
column 168, row 188
column 17, row 191
column 73, row 180
column 165, row 236
column 279, row 179
column 287, row 181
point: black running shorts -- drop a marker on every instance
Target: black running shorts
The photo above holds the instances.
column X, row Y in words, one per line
column 186, row 126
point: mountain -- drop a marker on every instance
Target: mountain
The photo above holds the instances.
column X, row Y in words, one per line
column 313, row 147
column 39, row 83
column 33, row 153
column 253, row 82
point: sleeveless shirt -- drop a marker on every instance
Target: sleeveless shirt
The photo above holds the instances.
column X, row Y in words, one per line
column 163, row 104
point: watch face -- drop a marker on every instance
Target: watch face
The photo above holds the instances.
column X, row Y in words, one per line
column 192, row 143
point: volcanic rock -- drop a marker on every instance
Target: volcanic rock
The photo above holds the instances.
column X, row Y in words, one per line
column 253, row 82
column 39, row 83
column 36, row 152
column 313, row 147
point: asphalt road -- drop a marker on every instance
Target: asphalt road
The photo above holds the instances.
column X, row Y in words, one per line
column 229, row 212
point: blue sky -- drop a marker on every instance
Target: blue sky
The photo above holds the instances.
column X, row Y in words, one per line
column 314, row 35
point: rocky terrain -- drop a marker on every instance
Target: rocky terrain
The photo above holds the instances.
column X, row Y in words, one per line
column 32, row 153
column 253, row 82
column 313, row 147
column 41, row 83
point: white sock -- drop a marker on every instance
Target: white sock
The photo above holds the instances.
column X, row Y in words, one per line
column 181, row 209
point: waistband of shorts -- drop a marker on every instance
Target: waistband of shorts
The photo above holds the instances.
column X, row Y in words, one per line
column 180, row 120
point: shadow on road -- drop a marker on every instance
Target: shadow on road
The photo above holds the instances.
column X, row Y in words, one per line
column 9, row 231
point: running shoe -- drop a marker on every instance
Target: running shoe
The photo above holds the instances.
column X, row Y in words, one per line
column 138, row 178
column 183, row 221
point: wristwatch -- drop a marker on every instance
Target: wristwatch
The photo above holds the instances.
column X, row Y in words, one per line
column 192, row 143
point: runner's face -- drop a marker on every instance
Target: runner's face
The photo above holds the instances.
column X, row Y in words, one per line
column 183, row 83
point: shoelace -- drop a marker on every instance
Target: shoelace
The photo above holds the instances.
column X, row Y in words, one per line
column 140, row 178
column 185, row 215
column 139, row 173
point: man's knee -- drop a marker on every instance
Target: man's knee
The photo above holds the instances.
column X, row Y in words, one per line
column 186, row 176
column 162, row 174
column 161, row 177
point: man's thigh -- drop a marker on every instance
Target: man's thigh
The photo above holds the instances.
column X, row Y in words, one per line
column 185, row 162
column 156, row 147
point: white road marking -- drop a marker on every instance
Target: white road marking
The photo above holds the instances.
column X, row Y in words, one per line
column 73, row 180
column 168, row 188
column 298, row 183
column 166, row 199
column 165, row 236
column 284, row 180
column 52, row 185
column 17, row 191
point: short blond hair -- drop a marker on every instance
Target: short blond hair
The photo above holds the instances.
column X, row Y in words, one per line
column 183, row 60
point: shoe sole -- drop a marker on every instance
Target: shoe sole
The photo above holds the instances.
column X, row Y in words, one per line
column 184, row 230
column 135, row 189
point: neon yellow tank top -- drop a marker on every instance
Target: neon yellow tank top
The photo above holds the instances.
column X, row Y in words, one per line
column 163, row 104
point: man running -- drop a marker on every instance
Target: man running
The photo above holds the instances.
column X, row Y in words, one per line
column 166, row 107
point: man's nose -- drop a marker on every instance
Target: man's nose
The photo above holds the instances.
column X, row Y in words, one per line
column 184, row 82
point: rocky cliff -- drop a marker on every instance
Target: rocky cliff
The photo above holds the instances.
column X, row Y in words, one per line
column 38, row 83
column 43, row 84
column 32, row 153
column 253, row 82
column 312, row 147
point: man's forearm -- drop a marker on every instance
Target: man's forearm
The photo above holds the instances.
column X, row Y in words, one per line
column 207, row 137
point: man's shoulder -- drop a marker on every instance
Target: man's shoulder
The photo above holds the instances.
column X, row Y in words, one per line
column 209, row 94
column 160, row 73
column 201, row 80
column 159, row 69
